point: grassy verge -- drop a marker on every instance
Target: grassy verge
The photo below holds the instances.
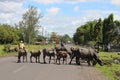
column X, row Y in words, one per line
column 28, row 47
column 110, row 70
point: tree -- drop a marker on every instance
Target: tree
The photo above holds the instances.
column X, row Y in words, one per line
column 108, row 29
column 8, row 34
column 98, row 31
column 66, row 38
column 54, row 37
column 117, row 32
column 29, row 24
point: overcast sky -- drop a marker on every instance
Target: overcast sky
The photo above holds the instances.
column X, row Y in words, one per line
column 60, row 16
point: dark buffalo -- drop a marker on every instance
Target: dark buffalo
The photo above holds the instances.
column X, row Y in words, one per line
column 50, row 53
column 59, row 48
column 90, row 55
column 75, row 54
column 62, row 54
column 35, row 54
column 22, row 53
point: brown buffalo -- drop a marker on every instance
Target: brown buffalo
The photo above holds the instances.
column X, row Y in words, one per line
column 90, row 55
column 35, row 54
column 22, row 53
column 50, row 53
column 59, row 48
column 62, row 54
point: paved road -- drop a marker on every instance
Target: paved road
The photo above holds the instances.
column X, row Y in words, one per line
column 10, row 70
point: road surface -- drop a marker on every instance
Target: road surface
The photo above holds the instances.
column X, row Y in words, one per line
column 11, row 70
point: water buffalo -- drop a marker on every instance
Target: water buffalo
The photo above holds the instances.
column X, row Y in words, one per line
column 75, row 53
column 35, row 54
column 22, row 52
column 62, row 54
column 59, row 48
column 90, row 55
column 50, row 53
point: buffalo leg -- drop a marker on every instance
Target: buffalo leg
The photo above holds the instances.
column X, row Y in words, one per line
column 59, row 60
column 23, row 58
column 99, row 62
column 66, row 60
column 77, row 61
column 31, row 58
column 19, row 58
column 44, row 58
column 94, row 62
column 63, row 60
column 39, row 59
column 54, row 59
column 71, row 59
column 26, row 58
column 88, row 61
column 49, row 59
column 36, row 59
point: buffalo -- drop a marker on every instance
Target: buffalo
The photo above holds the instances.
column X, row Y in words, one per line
column 62, row 54
column 50, row 53
column 90, row 55
column 75, row 53
column 22, row 52
column 35, row 54
column 58, row 48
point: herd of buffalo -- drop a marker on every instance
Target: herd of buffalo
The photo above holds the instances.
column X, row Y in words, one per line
column 57, row 53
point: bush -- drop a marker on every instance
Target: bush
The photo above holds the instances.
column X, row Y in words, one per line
column 6, row 47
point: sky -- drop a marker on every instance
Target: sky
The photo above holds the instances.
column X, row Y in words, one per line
column 60, row 16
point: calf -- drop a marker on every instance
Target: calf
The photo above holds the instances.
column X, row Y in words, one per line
column 35, row 54
column 62, row 54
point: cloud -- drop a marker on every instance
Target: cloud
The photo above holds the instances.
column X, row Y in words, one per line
column 11, row 11
column 76, row 8
column 116, row 2
column 68, row 24
column 64, row 1
column 47, row 1
column 12, row 0
column 53, row 11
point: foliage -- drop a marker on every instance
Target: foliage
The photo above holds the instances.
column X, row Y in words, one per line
column 6, row 47
column 105, row 32
column 108, row 29
column 29, row 24
column 8, row 34
column 39, row 38
column 66, row 38
column 54, row 37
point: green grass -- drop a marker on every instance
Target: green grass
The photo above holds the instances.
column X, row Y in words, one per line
column 28, row 47
column 109, row 70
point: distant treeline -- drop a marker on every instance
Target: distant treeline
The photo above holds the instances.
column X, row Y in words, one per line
column 105, row 31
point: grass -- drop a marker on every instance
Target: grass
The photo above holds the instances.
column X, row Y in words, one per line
column 109, row 70
column 28, row 47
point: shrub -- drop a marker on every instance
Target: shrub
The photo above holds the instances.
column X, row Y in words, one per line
column 6, row 47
